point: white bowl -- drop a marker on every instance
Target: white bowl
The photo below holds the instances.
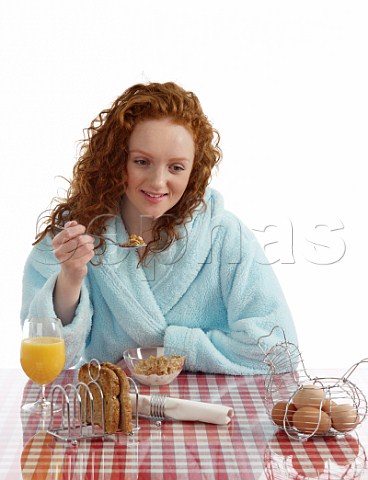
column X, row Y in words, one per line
column 133, row 358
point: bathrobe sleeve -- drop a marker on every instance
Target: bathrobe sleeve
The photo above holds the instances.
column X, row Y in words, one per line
column 39, row 278
column 254, row 304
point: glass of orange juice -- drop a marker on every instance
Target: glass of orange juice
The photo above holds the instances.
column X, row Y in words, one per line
column 42, row 356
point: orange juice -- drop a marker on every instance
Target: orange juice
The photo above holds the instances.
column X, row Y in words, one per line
column 42, row 358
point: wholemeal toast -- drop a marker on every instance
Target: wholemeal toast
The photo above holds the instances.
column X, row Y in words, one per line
column 115, row 388
column 125, row 420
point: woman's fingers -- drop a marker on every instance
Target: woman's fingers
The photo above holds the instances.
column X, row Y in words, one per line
column 71, row 230
column 73, row 247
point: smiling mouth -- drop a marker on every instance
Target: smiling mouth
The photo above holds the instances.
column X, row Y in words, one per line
column 154, row 195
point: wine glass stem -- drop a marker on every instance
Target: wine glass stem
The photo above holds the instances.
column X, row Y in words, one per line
column 43, row 394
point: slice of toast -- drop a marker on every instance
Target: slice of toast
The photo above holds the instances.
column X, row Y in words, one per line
column 110, row 387
column 125, row 423
column 117, row 405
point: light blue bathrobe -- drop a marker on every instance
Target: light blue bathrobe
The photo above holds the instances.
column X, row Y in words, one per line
column 209, row 297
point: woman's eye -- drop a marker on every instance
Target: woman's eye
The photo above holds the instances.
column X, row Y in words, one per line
column 177, row 168
column 140, row 161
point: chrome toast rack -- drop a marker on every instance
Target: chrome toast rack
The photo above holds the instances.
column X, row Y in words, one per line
column 70, row 422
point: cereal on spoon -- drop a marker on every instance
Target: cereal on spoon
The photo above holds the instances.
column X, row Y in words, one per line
column 133, row 241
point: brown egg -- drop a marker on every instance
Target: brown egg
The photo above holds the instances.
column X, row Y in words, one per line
column 344, row 417
column 308, row 396
column 327, row 405
column 311, row 420
column 278, row 413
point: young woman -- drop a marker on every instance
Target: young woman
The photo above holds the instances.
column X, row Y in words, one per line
column 202, row 288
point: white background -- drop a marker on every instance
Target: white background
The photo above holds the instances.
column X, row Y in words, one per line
column 285, row 83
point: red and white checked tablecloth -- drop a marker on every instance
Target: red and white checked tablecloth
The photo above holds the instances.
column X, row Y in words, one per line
column 250, row 447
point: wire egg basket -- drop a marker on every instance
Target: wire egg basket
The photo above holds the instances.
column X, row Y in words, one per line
column 306, row 406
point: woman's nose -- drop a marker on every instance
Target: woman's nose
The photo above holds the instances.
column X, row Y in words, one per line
column 157, row 178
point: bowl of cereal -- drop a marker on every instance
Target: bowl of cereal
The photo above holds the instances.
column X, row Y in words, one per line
column 150, row 365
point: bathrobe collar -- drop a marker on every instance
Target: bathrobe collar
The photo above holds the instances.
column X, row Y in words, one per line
column 153, row 290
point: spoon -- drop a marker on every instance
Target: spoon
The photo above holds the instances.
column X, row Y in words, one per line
column 60, row 228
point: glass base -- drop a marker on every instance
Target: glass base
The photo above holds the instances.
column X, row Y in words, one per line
column 41, row 407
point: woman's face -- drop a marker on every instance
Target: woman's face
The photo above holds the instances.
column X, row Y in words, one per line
column 160, row 160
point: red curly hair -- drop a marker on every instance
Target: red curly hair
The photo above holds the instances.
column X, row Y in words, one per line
column 99, row 175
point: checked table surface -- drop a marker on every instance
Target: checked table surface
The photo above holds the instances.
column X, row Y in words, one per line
column 249, row 447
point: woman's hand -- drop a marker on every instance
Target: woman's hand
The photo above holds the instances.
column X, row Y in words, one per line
column 74, row 249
